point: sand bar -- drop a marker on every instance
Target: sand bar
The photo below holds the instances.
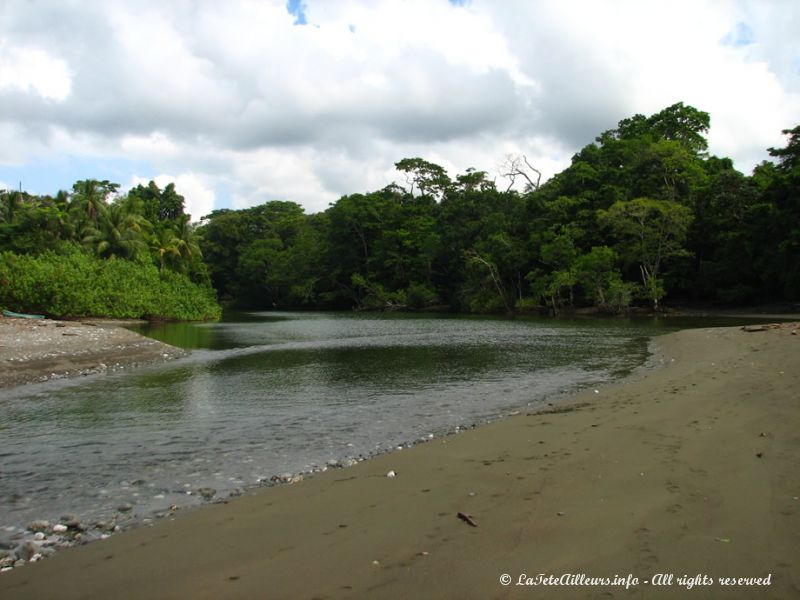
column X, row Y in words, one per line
column 689, row 470
column 43, row 349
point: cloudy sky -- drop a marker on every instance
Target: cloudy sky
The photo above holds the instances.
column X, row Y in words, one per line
column 244, row 101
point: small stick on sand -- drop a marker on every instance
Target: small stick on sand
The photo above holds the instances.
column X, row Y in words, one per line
column 467, row 519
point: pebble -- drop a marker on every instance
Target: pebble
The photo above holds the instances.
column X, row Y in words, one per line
column 60, row 528
column 39, row 536
column 72, row 522
column 25, row 551
column 287, row 478
column 40, row 525
column 207, row 493
column 391, row 474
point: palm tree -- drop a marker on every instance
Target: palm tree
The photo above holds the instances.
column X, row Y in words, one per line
column 189, row 246
column 167, row 246
column 10, row 202
column 90, row 201
column 117, row 233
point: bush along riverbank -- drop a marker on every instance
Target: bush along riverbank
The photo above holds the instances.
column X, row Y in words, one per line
column 72, row 283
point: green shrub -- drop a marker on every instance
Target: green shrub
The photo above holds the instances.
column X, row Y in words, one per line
column 71, row 283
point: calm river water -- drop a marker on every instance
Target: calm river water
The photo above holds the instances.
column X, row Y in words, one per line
column 267, row 393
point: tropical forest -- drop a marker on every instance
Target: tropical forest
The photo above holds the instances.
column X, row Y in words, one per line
column 643, row 218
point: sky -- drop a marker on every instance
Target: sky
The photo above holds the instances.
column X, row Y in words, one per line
column 245, row 101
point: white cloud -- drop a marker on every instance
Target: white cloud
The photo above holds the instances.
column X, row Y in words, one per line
column 244, row 105
column 155, row 145
column 30, row 69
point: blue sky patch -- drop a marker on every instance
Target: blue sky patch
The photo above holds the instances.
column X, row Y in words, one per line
column 298, row 9
column 47, row 176
column 741, row 35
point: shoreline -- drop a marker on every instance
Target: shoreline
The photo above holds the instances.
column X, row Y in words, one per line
column 685, row 469
column 34, row 351
column 82, row 528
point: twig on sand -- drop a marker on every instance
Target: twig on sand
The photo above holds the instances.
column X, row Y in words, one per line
column 467, row 519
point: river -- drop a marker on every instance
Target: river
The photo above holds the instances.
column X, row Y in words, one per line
column 268, row 393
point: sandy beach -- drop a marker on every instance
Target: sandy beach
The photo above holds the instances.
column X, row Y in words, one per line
column 36, row 350
column 671, row 479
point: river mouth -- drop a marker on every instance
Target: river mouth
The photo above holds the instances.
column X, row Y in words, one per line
column 266, row 394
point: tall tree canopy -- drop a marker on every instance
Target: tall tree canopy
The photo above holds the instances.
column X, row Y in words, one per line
column 642, row 215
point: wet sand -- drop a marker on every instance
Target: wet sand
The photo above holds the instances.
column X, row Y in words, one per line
column 688, row 470
column 35, row 350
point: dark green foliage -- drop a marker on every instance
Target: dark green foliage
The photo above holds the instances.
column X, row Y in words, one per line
column 265, row 256
column 642, row 214
column 72, row 283
column 152, row 265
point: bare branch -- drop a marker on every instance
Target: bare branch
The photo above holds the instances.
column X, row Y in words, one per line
column 515, row 166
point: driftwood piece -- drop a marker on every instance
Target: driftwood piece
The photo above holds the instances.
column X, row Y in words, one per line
column 752, row 328
column 467, row 519
column 767, row 326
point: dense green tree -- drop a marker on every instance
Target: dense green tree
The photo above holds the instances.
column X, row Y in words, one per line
column 117, row 233
column 650, row 231
column 644, row 207
column 428, row 178
column 598, row 272
column 267, row 255
column 158, row 205
column 781, row 254
column 89, row 200
column 382, row 248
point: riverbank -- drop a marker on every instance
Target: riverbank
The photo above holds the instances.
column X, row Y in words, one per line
column 36, row 350
column 689, row 470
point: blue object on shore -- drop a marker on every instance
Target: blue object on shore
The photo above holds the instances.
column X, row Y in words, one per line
column 9, row 313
